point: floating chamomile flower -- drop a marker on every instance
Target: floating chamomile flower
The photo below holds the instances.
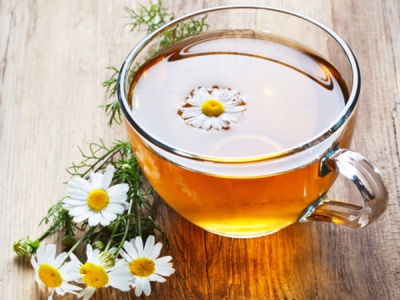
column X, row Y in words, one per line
column 212, row 108
column 94, row 200
column 52, row 273
column 144, row 265
column 95, row 274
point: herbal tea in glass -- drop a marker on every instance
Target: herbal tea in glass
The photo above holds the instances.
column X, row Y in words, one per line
column 232, row 126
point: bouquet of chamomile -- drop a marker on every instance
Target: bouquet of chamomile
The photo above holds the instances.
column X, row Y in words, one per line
column 104, row 217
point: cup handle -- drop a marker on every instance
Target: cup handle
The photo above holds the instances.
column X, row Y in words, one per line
column 367, row 179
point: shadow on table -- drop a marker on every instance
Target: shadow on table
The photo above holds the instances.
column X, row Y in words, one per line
column 302, row 261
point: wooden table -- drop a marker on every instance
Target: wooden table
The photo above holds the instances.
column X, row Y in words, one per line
column 53, row 58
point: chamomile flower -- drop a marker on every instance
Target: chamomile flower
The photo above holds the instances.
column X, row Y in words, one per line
column 95, row 274
column 52, row 272
column 212, row 108
column 144, row 265
column 94, row 200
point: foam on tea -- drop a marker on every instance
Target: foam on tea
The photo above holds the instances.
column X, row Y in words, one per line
column 290, row 94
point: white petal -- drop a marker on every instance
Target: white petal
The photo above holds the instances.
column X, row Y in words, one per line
column 156, row 251
column 60, row 291
column 71, row 287
column 214, row 94
column 122, row 274
column 139, row 246
column 191, row 112
column 207, row 123
column 118, row 198
column 82, row 217
column 79, row 210
column 89, row 253
column 95, row 180
column 104, row 221
column 218, row 123
column 50, row 253
column 73, row 185
column 202, row 93
column 66, row 268
column 228, row 118
column 234, row 109
column 51, row 295
column 142, row 285
column 156, row 277
column 222, row 97
column 197, row 122
column 94, row 219
column 107, row 177
column 108, row 215
column 146, row 286
column 149, row 245
column 34, row 263
column 72, row 277
column 40, row 253
column 84, row 185
column 124, row 286
column 195, row 101
column 59, row 260
column 122, row 188
column 115, row 208
column 74, row 202
column 119, row 263
column 68, row 207
column 162, row 260
column 87, row 293
column 227, row 96
column 74, row 260
column 130, row 250
column 76, row 193
column 165, row 271
column 96, row 257
column 124, row 255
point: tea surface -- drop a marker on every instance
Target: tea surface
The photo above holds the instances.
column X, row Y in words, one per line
column 291, row 95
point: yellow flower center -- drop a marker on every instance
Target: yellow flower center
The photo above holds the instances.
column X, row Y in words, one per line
column 212, row 108
column 50, row 276
column 98, row 200
column 142, row 267
column 95, row 276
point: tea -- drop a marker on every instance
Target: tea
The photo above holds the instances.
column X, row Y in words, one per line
column 291, row 95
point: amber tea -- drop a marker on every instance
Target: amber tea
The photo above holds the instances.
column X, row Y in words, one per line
column 287, row 95
column 243, row 128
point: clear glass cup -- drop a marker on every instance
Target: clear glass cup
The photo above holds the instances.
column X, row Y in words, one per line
column 256, row 195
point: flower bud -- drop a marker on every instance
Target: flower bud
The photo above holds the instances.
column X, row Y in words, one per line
column 125, row 166
column 21, row 247
column 68, row 241
column 99, row 245
column 107, row 259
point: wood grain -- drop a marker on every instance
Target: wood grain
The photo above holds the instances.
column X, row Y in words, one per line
column 53, row 56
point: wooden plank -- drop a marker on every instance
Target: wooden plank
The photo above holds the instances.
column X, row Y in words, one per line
column 53, row 56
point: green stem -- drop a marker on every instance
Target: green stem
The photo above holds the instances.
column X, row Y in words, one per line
column 138, row 219
column 101, row 161
column 126, row 228
column 81, row 240
column 50, row 230
column 68, row 226
column 112, row 236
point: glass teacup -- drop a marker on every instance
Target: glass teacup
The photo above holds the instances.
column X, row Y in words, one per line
column 240, row 118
